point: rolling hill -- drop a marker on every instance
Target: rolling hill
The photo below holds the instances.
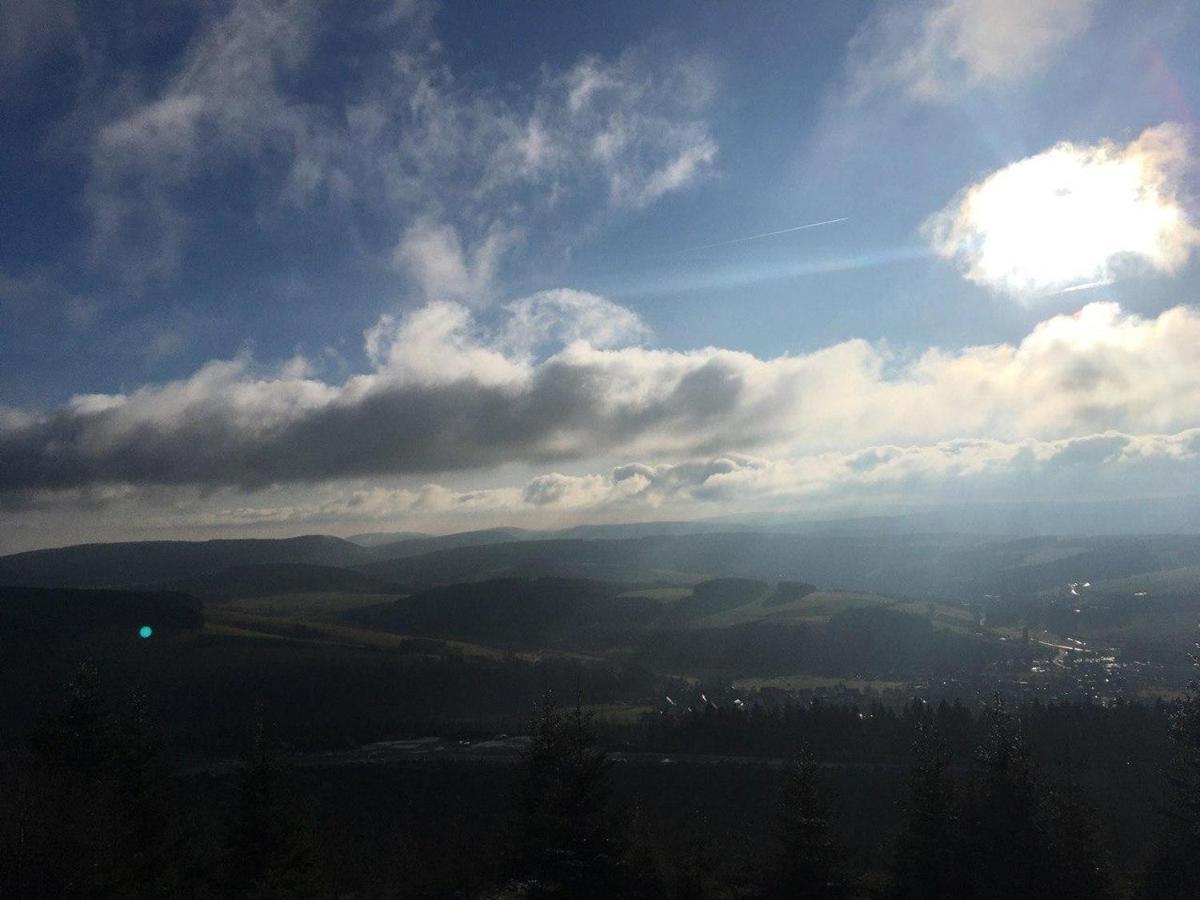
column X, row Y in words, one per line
column 523, row 612
column 147, row 563
column 35, row 615
column 933, row 566
column 270, row 579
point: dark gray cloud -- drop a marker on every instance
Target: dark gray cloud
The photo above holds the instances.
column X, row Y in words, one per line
column 446, row 396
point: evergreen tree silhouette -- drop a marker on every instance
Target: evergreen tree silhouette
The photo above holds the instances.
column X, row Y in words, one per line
column 698, row 876
column 1002, row 852
column 804, row 863
column 1079, row 864
column 925, row 851
column 94, row 812
column 1175, row 871
column 270, row 852
column 567, row 840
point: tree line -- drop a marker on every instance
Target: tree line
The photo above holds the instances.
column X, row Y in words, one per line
column 96, row 805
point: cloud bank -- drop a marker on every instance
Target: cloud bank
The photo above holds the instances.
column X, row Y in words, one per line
column 561, row 377
column 1104, row 466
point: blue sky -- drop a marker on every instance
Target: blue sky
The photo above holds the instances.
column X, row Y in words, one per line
column 485, row 258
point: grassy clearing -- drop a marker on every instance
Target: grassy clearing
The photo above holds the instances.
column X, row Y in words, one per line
column 818, row 607
column 1168, row 581
column 1051, row 553
column 232, row 622
column 222, row 629
column 823, row 605
column 305, row 606
column 617, row 713
column 661, row 594
column 811, row 682
column 945, row 617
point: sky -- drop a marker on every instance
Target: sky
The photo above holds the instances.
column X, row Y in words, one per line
column 286, row 266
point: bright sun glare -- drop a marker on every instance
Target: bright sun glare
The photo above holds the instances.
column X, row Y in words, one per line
column 1071, row 215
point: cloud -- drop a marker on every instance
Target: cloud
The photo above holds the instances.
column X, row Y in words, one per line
column 1104, row 466
column 448, row 393
column 408, row 160
column 224, row 102
column 28, row 30
column 438, row 345
column 1090, row 466
column 37, row 301
column 636, row 120
column 1074, row 213
column 564, row 316
column 927, row 49
column 443, row 268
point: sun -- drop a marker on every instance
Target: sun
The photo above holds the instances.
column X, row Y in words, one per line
column 1070, row 216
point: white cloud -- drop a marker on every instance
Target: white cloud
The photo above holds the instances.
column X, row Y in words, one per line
column 637, row 120
column 453, row 173
column 563, row 316
column 676, row 173
column 444, row 269
column 1088, row 467
column 439, row 344
column 926, row 49
column 448, row 393
column 1072, row 214
column 224, row 102
column 1105, row 466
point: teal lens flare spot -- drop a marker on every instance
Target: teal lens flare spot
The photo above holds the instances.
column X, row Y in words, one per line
column 145, row 631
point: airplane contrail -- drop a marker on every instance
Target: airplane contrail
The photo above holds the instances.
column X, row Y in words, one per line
column 1083, row 287
column 765, row 234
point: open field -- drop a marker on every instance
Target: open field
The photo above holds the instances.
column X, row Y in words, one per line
column 1182, row 580
column 315, row 631
column 306, row 606
column 809, row 682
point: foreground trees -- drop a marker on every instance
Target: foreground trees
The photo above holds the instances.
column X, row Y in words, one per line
column 1002, row 848
column 90, row 814
column 270, row 850
column 925, row 863
column 571, row 841
column 804, row 863
column 1175, row 871
column 92, row 808
column 1007, row 834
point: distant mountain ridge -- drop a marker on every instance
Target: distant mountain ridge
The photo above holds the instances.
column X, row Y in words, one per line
column 416, row 546
column 266, row 579
column 943, row 565
column 158, row 562
column 378, row 538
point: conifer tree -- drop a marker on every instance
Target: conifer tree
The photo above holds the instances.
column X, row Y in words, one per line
column 567, row 836
column 1001, row 852
column 270, row 852
column 804, row 864
column 1175, row 872
column 1079, row 865
column 94, row 811
column 924, row 864
column 70, row 842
